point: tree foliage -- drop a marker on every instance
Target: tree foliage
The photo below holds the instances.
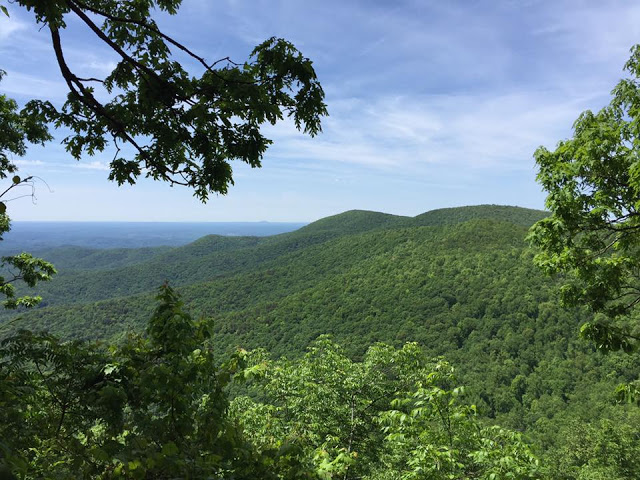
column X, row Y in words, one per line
column 467, row 291
column 598, row 449
column 592, row 236
column 154, row 407
column 183, row 128
column 393, row 415
column 433, row 435
column 16, row 131
column 158, row 407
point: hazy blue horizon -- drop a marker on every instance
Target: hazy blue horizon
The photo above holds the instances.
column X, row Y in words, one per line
column 41, row 235
column 151, row 222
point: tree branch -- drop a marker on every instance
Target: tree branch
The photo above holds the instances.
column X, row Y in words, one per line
column 85, row 96
column 152, row 28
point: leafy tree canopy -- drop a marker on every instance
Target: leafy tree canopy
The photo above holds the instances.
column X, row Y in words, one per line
column 592, row 237
column 152, row 408
column 159, row 407
column 16, row 130
column 394, row 415
column 185, row 129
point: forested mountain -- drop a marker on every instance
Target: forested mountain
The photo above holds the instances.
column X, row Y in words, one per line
column 74, row 258
column 460, row 282
column 139, row 270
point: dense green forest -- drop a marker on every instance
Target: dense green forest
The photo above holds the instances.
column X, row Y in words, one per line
column 213, row 257
column 460, row 283
column 484, row 342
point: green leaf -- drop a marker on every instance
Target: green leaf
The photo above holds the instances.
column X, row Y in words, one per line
column 170, row 449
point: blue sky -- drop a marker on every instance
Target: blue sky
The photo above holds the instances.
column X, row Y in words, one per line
column 432, row 104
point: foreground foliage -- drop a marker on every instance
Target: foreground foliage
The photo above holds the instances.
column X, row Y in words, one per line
column 158, row 407
column 593, row 186
column 467, row 290
column 393, row 415
column 16, row 130
column 154, row 407
column 161, row 120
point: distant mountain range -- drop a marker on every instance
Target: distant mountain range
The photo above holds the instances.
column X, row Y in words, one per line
column 88, row 275
column 31, row 236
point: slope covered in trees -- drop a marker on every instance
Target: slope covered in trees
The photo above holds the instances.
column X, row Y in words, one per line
column 135, row 271
column 215, row 257
column 459, row 282
column 160, row 407
column 76, row 258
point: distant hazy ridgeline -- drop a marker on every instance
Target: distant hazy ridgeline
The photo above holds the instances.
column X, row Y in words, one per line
column 29, row 236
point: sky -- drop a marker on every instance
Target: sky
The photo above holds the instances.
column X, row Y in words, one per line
column 431, row 104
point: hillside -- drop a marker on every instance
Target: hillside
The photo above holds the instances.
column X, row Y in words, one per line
column 355, row 221
column 459, row 281
column 455, row 280
column 125, row 272
column 73, row 258
column 449, row 216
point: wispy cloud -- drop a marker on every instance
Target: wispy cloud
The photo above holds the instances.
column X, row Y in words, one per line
column 94, row 165
column 100, row 67
column 33, row 86
column 594, row 32
column 9, row 27
column 28, row 163
column 61, row 166
column 413, row 132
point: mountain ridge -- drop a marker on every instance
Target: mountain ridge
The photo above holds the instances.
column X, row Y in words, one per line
column 459, row 282
column 213, row 256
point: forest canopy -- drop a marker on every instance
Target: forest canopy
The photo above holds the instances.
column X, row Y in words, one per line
column 118, row 379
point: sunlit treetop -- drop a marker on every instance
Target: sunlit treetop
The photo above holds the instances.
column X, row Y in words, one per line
column 592, row 237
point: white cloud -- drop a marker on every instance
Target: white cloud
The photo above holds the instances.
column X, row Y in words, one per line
column 58, row 166
column 28, row 163
column 411, row 133
column 9, row 27
column 33, row 86
column 94, row 165
column 100, row 67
